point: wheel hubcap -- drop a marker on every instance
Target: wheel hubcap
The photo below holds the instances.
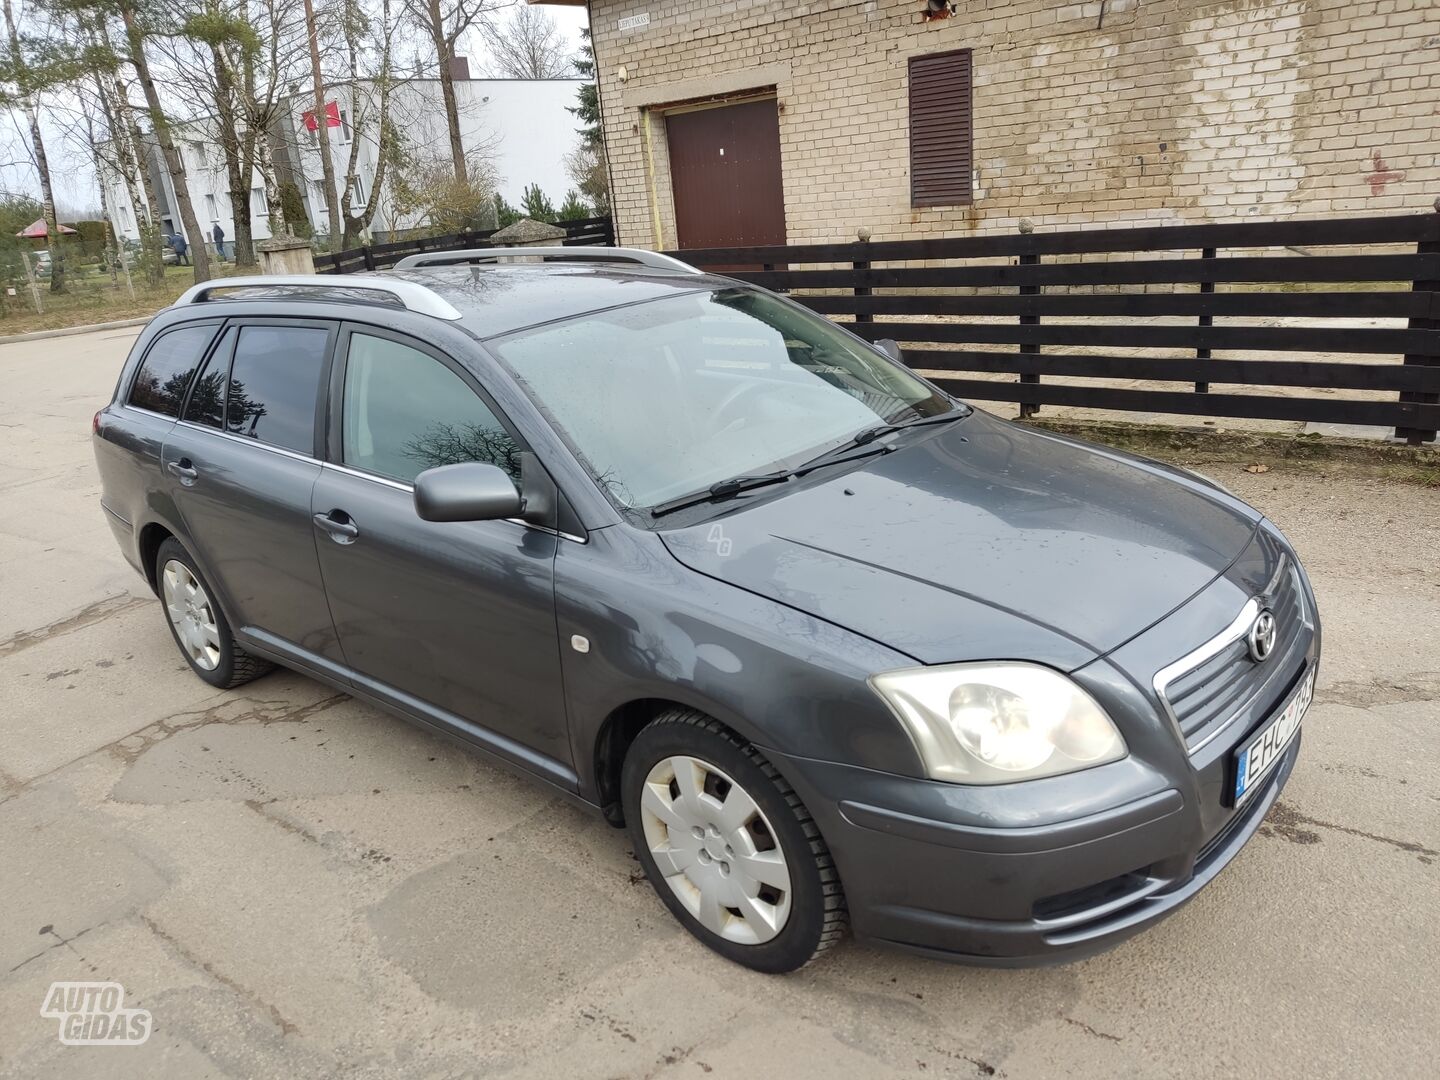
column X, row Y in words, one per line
column 191, row 615
column 716, row 850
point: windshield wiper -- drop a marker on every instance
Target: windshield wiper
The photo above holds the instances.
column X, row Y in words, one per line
column 846, row 451
column 870, row 434
column 722, row 489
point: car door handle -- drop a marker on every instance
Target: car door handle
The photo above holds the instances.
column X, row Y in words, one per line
column 338, row 524
column 184, row 470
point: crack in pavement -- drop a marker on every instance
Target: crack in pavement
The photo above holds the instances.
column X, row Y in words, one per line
column 264, row 711
column 86, row 616
column 60, row 943
column 1367, row 693
column 1285, row 821
column 287, row 1027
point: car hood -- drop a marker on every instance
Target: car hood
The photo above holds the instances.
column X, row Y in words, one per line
column 985, row 540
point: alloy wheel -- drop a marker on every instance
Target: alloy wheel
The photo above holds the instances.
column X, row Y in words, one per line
column 191, row 614
column 716, row 850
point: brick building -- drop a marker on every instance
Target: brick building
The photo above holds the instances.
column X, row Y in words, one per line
column 754, row 121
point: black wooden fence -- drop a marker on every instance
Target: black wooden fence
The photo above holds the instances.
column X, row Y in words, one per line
column 578, row 231
column 1382, row 272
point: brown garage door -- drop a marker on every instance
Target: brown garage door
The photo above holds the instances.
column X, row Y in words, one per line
column 725, row 172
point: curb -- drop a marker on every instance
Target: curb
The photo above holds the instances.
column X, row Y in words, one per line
column 66, row 331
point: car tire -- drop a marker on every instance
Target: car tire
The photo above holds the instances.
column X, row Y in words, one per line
column 752, row 922
column 199, row 627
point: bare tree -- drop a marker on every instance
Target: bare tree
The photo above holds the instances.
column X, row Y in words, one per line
column 526, row 45
column 27, row 82
column 445, row 23
column 327, row 165
column 135, row 36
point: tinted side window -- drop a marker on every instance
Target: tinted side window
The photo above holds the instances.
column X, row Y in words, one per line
column 165, row 374
column 275, row 384
column 406, row 412
column 207, row 400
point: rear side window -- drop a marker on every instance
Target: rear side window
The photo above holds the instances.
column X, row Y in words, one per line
column 168, row 367
column 406, row 412
column 275, row 385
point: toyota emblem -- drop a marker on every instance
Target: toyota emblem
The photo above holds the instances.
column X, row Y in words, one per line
column 1261, row 637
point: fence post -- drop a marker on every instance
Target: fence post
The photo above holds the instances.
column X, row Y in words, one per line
column 1206, row 287
column 368, row 256
column 863, row 235
column 1416, row 436
column 1029, row 408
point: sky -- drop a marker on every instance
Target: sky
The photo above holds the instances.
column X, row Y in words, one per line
column 74, row 175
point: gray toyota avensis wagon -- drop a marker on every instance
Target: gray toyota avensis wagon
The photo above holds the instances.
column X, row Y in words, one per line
column 834, row 647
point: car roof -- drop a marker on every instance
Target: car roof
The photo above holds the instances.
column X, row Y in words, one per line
column 496, row 299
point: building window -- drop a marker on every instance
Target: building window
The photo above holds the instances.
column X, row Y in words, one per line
column 344, row 126
column 259, row 203
column 357, row 191
column 212, row 208
column 941, row 129
column 198, row 150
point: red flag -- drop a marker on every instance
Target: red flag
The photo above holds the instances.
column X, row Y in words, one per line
column 332, row 116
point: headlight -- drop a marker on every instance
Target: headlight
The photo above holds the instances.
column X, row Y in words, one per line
column 996, row 723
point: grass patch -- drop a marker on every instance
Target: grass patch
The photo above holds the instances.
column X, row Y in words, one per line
column 92, row 297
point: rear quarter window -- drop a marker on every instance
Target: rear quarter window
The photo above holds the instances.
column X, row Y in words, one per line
column 164, row 375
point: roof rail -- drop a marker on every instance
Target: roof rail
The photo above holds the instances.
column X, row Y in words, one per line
column 579, row 253
column 411, row 295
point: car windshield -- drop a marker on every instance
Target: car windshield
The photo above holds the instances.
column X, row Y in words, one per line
column 666, row 397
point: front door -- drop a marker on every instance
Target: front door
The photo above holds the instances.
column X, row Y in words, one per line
column 241, row 464
column 725, row 174
column 454, row 622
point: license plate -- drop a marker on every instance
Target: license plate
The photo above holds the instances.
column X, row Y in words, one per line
column 1257, row 757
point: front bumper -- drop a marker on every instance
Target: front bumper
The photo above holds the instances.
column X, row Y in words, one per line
column 1007, row 896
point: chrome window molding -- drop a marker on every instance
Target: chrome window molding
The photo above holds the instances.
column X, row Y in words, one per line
column 283, row 451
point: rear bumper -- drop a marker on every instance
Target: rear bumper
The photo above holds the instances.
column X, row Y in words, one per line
column 1017, row 896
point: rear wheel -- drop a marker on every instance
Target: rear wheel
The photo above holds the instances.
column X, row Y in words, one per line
column 197, row 623
column 728, row 845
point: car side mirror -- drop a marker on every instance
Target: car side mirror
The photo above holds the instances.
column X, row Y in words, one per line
column 891, row 348
column 470, row 491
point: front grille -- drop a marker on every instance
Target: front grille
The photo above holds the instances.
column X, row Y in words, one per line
column 1204, row 698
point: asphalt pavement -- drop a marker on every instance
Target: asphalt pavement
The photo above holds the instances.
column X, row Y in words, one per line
column 294, row 884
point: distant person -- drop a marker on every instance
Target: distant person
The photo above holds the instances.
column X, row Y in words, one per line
column 219, row 235
column 182, row 250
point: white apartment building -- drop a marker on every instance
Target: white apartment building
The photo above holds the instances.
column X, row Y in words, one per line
column 521, row 128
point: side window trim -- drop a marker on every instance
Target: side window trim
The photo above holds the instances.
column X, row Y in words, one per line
column 213, row 353
column 327, row 366
column 334, row 451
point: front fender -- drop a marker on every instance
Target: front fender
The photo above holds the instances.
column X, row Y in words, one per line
column 654, row 629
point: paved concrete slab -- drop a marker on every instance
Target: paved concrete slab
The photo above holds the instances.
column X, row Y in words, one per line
column 296, row 885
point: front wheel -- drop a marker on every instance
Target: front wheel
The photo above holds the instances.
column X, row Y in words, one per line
column 728, row 845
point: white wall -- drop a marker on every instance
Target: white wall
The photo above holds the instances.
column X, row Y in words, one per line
column 534, row 130
column 522, row 126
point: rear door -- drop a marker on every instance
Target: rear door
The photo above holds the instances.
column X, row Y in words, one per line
column 241, row 463
column 452, row 621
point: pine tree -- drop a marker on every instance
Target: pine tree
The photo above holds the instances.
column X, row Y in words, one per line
column 536, row 204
